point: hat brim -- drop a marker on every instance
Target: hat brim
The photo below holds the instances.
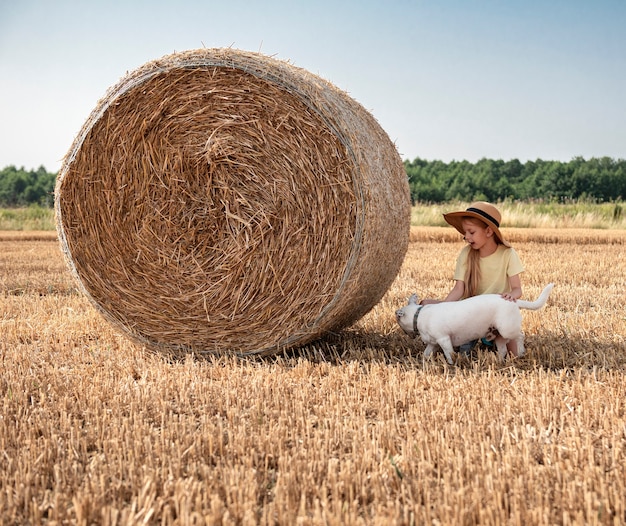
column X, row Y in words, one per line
column 456, row 220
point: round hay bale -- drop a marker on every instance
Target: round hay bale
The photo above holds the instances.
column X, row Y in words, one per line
column 223, row 201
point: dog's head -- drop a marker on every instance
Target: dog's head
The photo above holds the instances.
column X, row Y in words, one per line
column 406, row 315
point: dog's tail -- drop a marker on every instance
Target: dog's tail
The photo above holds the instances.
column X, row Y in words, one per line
column 539, row 302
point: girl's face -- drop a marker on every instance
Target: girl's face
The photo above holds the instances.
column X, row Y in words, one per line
column 477, row 234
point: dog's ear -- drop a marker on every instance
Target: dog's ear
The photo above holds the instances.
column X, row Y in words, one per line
column 413, row 299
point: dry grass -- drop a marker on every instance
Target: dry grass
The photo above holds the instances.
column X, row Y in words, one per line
column 524, row 214
column 352, row 429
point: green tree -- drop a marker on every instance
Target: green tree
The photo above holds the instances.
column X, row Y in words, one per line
column 19, row 187
column 600, row 179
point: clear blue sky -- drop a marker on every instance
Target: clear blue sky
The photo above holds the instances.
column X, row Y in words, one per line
column 446, row 79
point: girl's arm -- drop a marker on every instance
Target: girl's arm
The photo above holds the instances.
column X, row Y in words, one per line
column 515, row 282
column 455, row 294
column 457, row 291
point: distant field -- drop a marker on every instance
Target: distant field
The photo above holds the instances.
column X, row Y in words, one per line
column 515, row 215
column 535, row 214
column 353, row 429
column 31, row 218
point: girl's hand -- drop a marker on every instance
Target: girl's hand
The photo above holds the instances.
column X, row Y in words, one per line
column 515, row 284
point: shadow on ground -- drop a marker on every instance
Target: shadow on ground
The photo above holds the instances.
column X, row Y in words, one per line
column 548, row 351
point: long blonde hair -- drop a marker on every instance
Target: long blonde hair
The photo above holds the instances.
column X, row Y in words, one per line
column 472, row 273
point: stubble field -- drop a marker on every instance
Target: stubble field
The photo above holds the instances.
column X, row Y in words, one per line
column 354, row 429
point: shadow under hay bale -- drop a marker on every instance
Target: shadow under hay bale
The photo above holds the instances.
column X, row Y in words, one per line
column 224, row 201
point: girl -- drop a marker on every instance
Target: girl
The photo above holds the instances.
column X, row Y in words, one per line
column 488, row 264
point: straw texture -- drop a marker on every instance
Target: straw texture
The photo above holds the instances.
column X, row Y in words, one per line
column 224, row 201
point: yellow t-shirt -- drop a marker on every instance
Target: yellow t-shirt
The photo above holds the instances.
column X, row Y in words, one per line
column 495, row 270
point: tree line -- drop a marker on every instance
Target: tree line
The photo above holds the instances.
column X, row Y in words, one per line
column 597, row 179
column 21, row 187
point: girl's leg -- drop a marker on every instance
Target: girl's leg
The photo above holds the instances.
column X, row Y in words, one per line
column 466, row 348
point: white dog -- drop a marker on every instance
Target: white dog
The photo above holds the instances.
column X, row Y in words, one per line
column 453, row 323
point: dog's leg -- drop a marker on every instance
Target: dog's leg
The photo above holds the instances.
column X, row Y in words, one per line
column 521, row 350
column 429, row 350
column 501, row 346
column 448, row 350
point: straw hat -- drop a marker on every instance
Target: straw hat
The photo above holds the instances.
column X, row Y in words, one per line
column 486, row 212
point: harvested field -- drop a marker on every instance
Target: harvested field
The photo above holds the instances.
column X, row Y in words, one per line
column 353, row 429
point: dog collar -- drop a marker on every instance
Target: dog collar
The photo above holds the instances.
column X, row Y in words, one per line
column 415, row 316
